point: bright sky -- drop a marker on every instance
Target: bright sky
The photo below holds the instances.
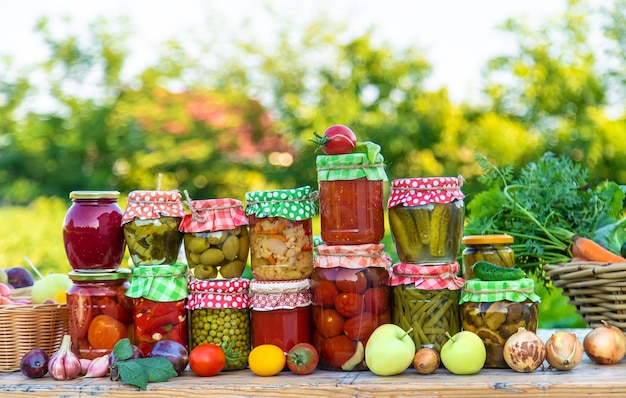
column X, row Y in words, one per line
column 458, row 36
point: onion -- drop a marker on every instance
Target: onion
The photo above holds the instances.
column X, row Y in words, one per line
column 426, row 360
column 524, row 351
column 605, row 345
column 564, row 351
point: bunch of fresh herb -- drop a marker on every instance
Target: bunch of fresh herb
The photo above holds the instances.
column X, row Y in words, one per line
column 543, row 207
column 139, row 371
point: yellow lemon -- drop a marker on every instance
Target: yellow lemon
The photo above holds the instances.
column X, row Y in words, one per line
column 267, row 360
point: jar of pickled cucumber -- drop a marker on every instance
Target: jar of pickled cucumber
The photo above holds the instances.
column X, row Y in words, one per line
column 99, row 313
column 425, row 300
column 495, row 249
column 151, row 221
column 494, row 310
column 220, row 314
column 159, row 296
column 426, row 218
column 215, row 238
column 281, row 239
column 281, row 313
column 351, row 198
column 351, row 298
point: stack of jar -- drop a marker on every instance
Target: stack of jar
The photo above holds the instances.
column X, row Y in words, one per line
column 281, row 262
column 350, row 279
column 426, row 219
column 99, row 313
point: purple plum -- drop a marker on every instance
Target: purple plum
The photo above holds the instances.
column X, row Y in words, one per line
column 19, row 277
column 173, row 351
column 34, row 364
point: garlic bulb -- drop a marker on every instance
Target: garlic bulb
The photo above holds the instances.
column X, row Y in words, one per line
column 64, row 364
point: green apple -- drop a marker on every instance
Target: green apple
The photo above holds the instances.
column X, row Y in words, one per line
column 389, row 350
column 464, row 353
column 50, row 287
column 4, row 278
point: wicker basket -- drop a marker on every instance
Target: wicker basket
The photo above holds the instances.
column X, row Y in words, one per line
column 597, row 290
column 28, row 326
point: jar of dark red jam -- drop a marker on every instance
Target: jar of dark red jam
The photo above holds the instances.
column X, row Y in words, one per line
column 92, row 231
column 281, row 313
column 99, row 313
column 351, row 198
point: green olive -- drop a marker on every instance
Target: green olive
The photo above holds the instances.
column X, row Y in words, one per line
column 244, row 246
column 217, row 237
column 204, row 272
column 196, row 244
column 233, row 269
column 212, row 257
column 230, row 247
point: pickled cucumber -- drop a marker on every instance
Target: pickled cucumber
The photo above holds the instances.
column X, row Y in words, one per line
column 491, row 272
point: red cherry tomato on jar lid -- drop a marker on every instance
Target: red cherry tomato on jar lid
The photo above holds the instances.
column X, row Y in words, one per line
column 336, row 140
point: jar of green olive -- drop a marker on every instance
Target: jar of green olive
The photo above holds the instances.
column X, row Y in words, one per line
column 495, row 249
column 220, row 314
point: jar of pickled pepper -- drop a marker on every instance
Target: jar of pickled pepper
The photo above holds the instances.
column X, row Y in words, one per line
column 281, row 239
column 495, row 310
column 426, row 218
column 159, row 295
column 99, row 313
column 151, row 221
column 350, row 287
column 425, row 300
column 92, row 231
column 495, row 249
column 220, row 314
column 216, row 238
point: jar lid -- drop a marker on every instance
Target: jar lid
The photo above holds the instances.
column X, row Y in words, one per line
column 147, row 205
column 214, row 215
column 350, row 167
column 422, row 191
column 159, row 282
column 427, row 277
column 121, row 273
column 94, row 194
column 273, row 295
column 216, row 294
column 487, row 239
column 294, row 204
column 351, row 256
column 480, row 291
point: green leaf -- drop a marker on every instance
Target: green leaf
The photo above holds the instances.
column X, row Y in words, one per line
column 372, row 150
column 123, row 349
column 133, row 373
column 158, row 368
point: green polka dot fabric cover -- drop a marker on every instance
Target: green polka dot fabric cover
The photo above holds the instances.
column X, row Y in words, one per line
column 295, row 204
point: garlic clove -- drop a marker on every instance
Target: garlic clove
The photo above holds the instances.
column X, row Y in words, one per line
column 99, row 367
column 64, row 364
column 84, row 365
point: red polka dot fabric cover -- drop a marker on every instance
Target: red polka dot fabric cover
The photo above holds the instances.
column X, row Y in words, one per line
column 148, row 205
column 422, row 191
column 217, row 294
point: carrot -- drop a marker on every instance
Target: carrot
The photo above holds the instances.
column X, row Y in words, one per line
column 592, row 251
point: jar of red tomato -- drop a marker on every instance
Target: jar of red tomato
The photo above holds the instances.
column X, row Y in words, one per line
column 159, row 296
column 350, row 288
column 351, row 198
column 281, row 313
column 92, row 231
column 281, row 239
column 215, row 237
column 150, row 223
column 99, row 313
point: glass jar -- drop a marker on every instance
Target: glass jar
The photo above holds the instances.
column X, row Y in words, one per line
column 281, row 238
column 215, row 237
column 494, row 310
column 281, row 313
column 426, row 217
column 159, row 296
column 151, row 221
column 351, row 298
column 351, row 198
column 220, row 314
column 425, row 300
column 492, row 248
column 99, row 313
column 92, row 231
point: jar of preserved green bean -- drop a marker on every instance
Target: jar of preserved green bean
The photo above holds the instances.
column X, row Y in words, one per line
column 494, row 310
column 220, row 314
column 425, row 300
column 492, row 248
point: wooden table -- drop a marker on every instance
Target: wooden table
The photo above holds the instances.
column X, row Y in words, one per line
column 586, row 380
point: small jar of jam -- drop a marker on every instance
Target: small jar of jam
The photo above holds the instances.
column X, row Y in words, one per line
column 281, row 239
column 281, row 313
column 99, row 313
column 425, row 300
column 151, row 221
column 351, row 198
column 495, row 310
column 215, row 237
column 220, row 314
column 492, row 248
column 159, row 296
column 92, row 231
column 426, row 218
column 351, row 298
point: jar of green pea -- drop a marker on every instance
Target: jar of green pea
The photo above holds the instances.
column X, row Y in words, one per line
column 220, row 314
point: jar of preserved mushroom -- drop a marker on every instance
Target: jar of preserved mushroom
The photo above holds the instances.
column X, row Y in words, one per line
column 494, row 310
column 281, row 239
column 495, row 249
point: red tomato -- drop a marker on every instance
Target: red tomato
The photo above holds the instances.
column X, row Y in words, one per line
column 329, row 323
column 349, row 304
column 376, row 278
column 336, row 140
column 361, row 327
column 375, row 300
column 324, row 293
column 207, row 359
column 104, row 331
column 302, row 359
column 351, row 280
column 338, row 350
column 83, row 312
